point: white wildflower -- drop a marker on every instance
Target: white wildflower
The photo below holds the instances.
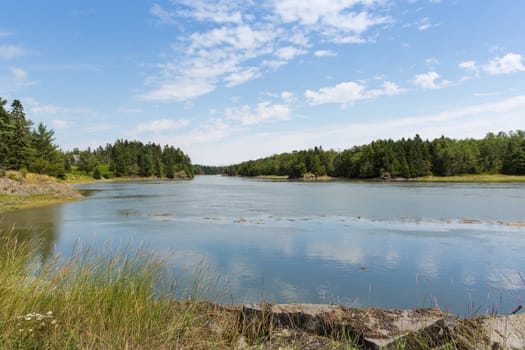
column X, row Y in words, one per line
column 49, row 313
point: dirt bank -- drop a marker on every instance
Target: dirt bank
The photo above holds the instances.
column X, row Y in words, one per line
column 18, row 191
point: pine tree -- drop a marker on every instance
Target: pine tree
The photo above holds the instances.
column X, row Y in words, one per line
column 19, row 141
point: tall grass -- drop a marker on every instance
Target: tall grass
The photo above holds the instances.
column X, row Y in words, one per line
column 99, row 301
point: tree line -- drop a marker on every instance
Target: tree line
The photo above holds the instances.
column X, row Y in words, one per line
column 409, row 158
column 23, row 146
column 126, row 158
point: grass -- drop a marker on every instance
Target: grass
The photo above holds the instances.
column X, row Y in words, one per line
column 472, row 178
column 98, row 302
column 126, row 301
column 9, row 203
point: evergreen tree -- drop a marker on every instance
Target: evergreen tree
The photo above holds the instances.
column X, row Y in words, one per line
column 19, row 140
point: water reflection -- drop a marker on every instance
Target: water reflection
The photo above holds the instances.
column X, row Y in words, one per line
column 41, row 225
column 399, row 246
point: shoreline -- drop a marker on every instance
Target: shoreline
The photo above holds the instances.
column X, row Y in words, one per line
column 468, row 178
column 12, row 201
column 50, row 191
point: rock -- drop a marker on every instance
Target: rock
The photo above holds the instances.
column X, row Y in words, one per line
column 375, row 328
column 372, row 328
column 505, row 332
column 241, row 344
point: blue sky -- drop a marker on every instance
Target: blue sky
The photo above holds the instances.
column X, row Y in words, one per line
column 229, row 81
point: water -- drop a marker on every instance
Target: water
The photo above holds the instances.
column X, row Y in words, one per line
column 394, row 245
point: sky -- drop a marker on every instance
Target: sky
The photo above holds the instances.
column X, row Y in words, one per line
column 228, row 81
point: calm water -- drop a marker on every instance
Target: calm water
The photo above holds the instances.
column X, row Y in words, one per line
column 396, row 245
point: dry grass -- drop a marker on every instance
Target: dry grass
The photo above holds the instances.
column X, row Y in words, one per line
column 99, row 302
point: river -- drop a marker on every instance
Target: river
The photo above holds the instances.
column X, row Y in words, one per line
column 393, row 245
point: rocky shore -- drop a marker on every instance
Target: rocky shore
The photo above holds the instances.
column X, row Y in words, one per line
column 308, row 326
column 18, row 191
column 33, row 184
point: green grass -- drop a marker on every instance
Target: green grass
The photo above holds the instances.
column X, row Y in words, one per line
column 99, row 302
column 472, row 178
column 10, row 203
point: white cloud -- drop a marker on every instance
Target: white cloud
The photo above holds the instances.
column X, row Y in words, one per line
column 331, row 12
column 238, row 37
column 510, row 63
column 432, row 61
column 240, row 41
column 243, row 76
column 349, row 92
column 333, row 19
column 61, row 124
column 425, row 23
column 221, row 11
column 43, row 109
column 342, row 93
column 179, row 90
column 160, row 125
column 391, row 88
column 8, row 52
column 163, row 16
column 325, row 53
column 430, row 81
column 265, row 111
column 288, row 97
column 469, row 66
column 38, row 108
column 20, row 77
column 289, row 52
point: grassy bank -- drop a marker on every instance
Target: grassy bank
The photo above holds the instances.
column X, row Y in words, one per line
column 9, row 203
column 286, row 178
column 20, row 190
column 472, row 178
column 485, row 178
column 100, row 301
column 97, row 302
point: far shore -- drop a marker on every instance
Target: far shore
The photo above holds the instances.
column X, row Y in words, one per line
column 10, row 202
column 467, row 178
column 34, row 191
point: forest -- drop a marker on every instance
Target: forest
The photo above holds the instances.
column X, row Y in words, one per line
column 28, row 148
column 502, row 153
column 24, row 146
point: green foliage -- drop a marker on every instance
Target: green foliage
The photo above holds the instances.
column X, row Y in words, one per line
column 199, row 169
column 97, row 175
column 408, row 158
column 33, row 149
column 133, row 158
column 23, row 147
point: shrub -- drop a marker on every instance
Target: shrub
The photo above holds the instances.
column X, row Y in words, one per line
column 96, row 174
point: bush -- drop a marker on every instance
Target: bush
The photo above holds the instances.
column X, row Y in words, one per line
column 2, row 173
column 24, row 172
column 96, row 174
column 14, row 176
